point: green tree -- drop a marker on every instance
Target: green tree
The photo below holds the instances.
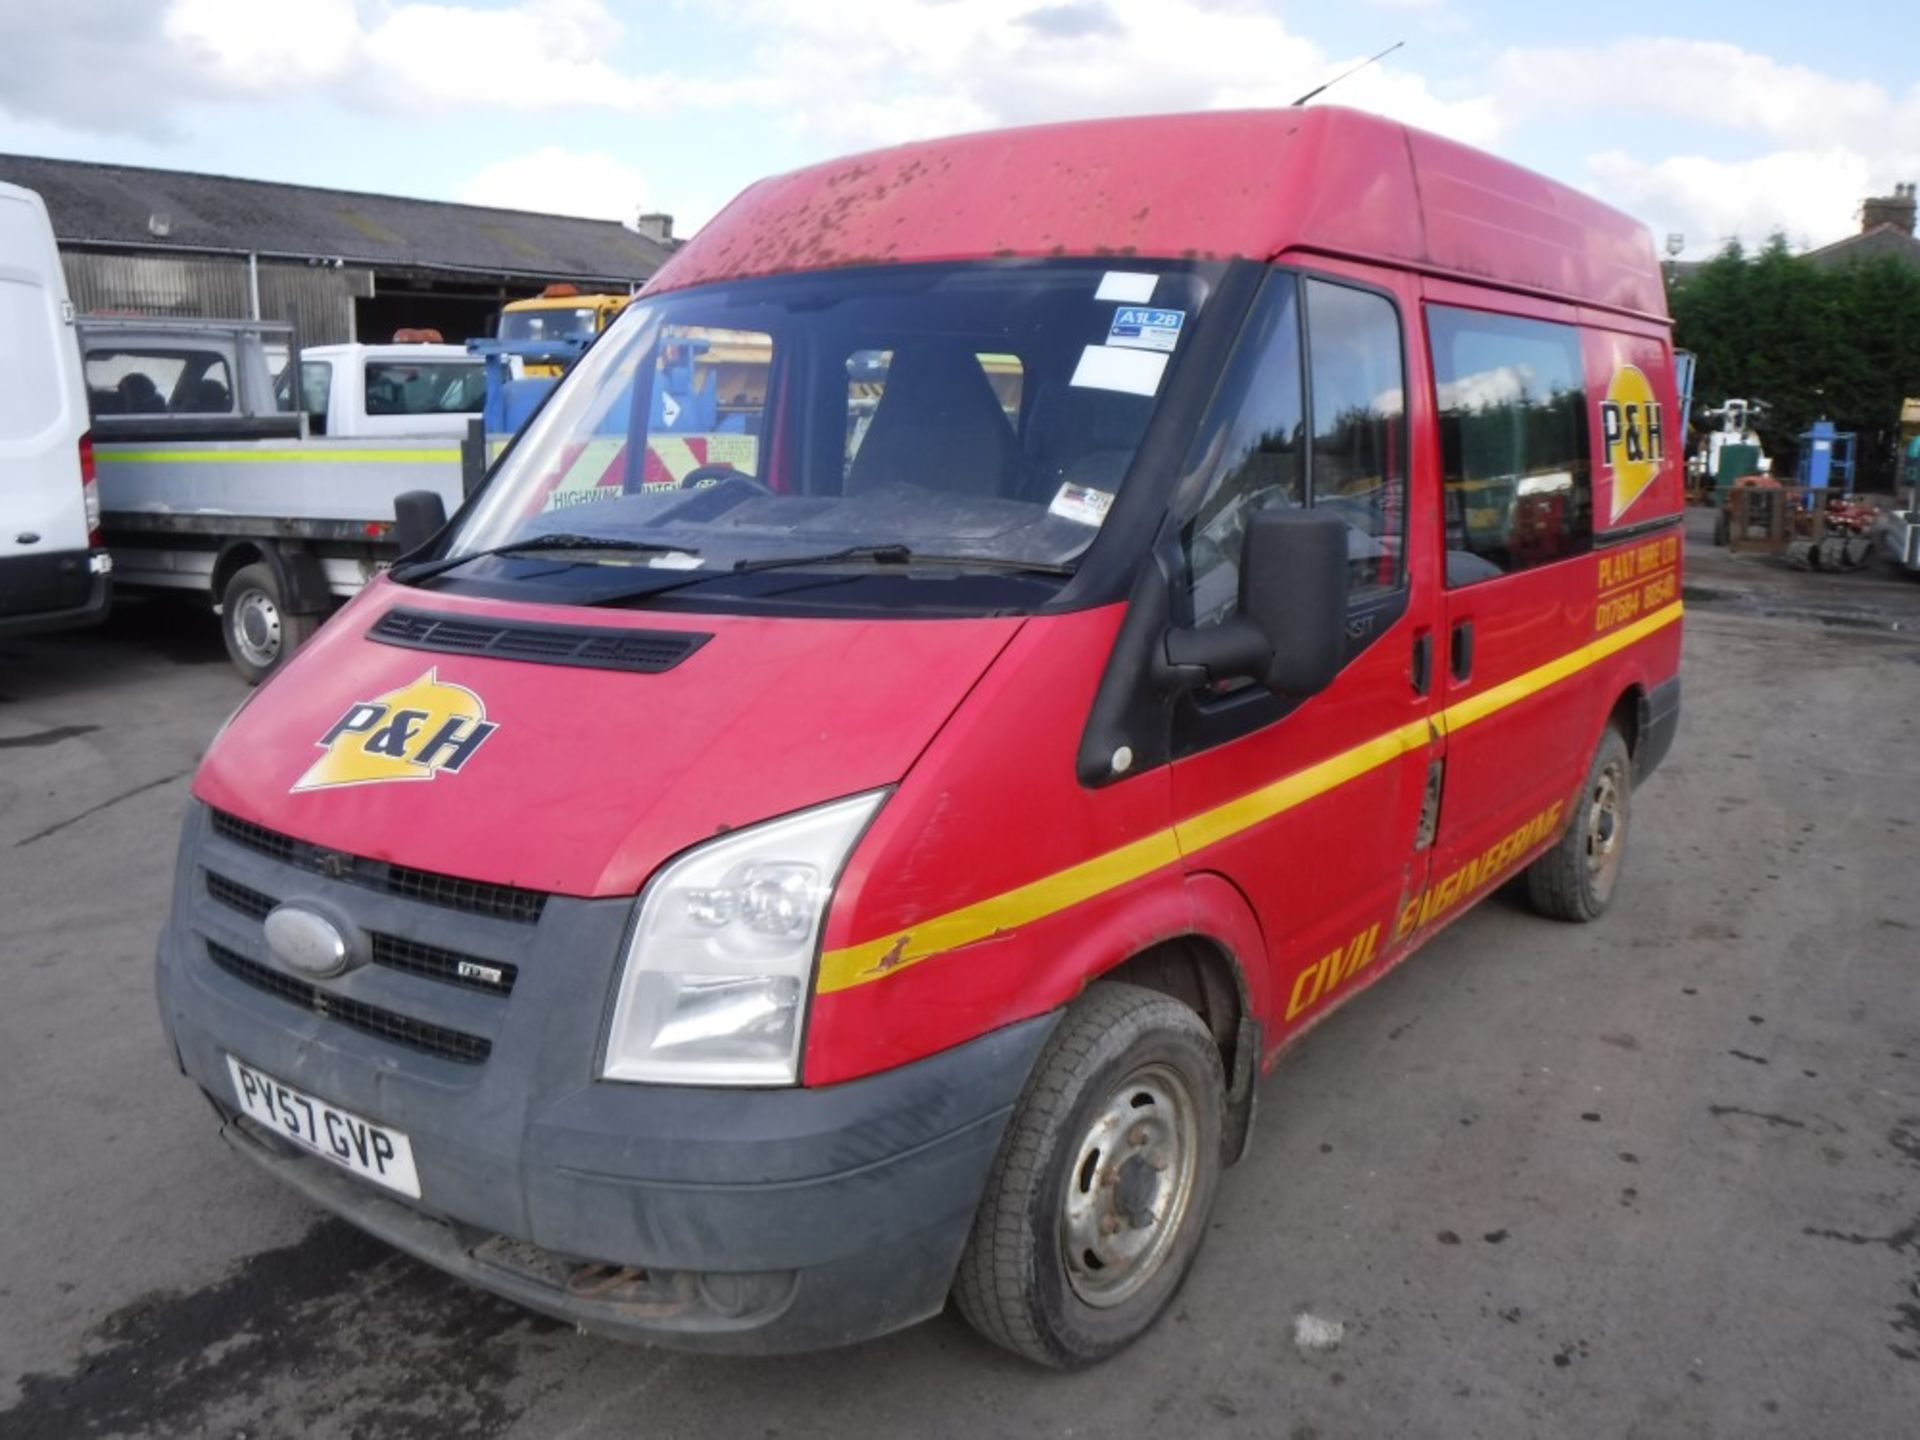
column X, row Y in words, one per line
column 1810, row 341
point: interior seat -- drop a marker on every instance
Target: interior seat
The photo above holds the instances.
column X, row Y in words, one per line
column 938, row 426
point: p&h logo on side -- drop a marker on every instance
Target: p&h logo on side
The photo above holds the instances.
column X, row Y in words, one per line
column 412, row 733
column 1633, row 436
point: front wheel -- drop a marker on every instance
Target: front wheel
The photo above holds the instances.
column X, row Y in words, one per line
column 1576, row 879
column 259, row 630
column 1100, row 1194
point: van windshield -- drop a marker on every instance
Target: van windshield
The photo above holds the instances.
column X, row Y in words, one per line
column 980, row 416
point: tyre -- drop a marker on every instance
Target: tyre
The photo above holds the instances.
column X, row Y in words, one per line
column 259, row 630
column 1576, row 879
column 1099, row 1196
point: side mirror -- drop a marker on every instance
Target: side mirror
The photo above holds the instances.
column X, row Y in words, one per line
column 1290, row 632
column 418, row 516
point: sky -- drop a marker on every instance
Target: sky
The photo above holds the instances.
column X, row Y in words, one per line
column 1704, row 118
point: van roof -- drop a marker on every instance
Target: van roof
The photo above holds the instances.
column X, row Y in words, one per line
column 1250, row 183
column 405, row 350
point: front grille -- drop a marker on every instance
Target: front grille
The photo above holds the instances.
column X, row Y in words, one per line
column 471, row 972
column 450, row 966
column 474, row 897
column 255, row 837
column 235, row 896
column 599, row 647
column 419, row 1035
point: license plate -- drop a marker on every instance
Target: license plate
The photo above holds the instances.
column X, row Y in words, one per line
column 377, row 1152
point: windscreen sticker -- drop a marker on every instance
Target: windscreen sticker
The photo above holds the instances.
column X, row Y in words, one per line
column 413, row 733
column 1140, row 327
column 1126, row 287
column 1081, row 503
column 1131, row 372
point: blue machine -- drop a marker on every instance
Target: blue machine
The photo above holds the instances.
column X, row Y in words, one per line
column 1826, row 458
column 509, row 400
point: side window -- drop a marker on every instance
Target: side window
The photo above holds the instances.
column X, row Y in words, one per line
column 1513, row 442
column 396, row 387
column 316, row 380
column 1250, row 448
column 1359, row 469
column 158, row 382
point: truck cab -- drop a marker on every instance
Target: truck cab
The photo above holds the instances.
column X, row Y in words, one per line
column 995, row 644
column 53, row 568
column 352, row 392
column 559, row 314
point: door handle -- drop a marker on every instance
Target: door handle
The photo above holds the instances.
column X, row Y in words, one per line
column 1460, row 650
column 1421, row 671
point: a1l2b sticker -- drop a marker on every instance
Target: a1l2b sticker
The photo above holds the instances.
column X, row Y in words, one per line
column 1139, row 327
column 1633, row 437
column 413, row 733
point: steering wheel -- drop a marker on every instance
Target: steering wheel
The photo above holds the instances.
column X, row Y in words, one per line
column 691, row 480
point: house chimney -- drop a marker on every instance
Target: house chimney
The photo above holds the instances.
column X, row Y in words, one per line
column 1896, row 210
column 658, row 228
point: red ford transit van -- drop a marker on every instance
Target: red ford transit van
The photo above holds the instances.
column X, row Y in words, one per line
column 1000, row 639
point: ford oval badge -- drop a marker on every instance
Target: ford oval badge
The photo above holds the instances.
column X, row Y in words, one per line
column 307, row 941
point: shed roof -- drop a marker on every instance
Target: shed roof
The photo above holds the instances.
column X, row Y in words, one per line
column 1869, row 244
column 111, row 205
column 1251, row 183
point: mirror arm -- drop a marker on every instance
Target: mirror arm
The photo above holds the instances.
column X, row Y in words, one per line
column 1235, row 649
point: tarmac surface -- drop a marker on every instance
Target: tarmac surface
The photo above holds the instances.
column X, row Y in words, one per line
column 1659, row 1176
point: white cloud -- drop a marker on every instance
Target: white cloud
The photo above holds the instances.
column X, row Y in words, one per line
column 558, row 181
column 912, row 68
column 1811, row 195
column 1712, row 82
column 1822, row 143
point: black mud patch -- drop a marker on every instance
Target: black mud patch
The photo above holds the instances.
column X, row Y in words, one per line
column 335, row 1330
column 41, row 738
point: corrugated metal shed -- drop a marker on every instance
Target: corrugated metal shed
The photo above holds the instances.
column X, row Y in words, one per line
column 123, row 206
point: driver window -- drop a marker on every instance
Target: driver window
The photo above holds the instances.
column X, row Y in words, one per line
column 1359, row 428
column 1250, row 448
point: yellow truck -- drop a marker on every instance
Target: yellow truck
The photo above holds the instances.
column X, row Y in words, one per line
column 558, row 312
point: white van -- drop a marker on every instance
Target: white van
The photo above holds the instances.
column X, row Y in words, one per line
column 53, row 571
column 354, row 392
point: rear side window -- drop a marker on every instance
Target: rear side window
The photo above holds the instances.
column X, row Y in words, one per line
column 410, row 387
column 1512, row 403
column 159, row 382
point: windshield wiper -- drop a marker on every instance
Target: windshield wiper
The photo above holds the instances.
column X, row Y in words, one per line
column 897, row 555
column 553, row 540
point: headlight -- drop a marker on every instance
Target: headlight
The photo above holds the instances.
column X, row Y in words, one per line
column 714, row 986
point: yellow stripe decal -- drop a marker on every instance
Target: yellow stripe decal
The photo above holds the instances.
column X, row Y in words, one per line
column 875, row 959
column 268, row 457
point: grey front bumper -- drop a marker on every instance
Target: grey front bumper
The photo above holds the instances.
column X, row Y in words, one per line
column 749, row 1220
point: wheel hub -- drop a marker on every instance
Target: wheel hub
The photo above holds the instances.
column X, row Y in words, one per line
column 1606, row 825
column 256, row 628
column 1130, row 1187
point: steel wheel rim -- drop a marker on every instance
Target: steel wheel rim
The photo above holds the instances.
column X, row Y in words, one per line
column 1130, row 1187
column 1606, row 828
column 256, row 628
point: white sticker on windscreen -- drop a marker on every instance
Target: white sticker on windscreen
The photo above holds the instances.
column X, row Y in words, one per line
column 1126, row 287
column 1081, row 503
column 1142, row 327
column 1131, row 372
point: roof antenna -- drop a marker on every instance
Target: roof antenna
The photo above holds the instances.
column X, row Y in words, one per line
column 1344, row 73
